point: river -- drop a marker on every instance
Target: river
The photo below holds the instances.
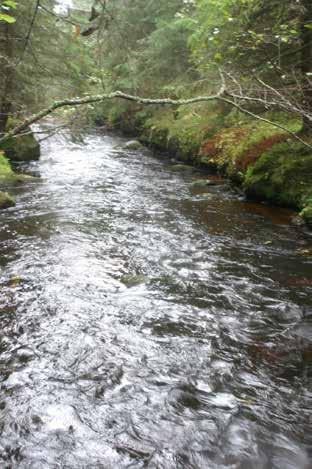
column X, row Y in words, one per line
column 147, row 325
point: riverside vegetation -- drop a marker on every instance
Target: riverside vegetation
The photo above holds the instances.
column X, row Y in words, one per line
column 263, row 50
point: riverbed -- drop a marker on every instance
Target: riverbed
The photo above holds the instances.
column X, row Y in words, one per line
column 147, row 324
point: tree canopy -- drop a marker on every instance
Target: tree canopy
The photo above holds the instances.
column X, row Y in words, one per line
column 263, row 49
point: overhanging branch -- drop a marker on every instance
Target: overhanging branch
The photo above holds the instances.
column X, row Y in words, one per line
column 223, row 95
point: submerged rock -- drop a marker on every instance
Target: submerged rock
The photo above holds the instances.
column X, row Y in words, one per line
column 182, row 168
column 25, row 354
column 297, row 221
column 133, row 145
column 15, row 281
column 203, row 183
column 6, row 200
column 133, row 280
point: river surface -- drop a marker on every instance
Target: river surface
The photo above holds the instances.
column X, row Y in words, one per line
column 146, row 325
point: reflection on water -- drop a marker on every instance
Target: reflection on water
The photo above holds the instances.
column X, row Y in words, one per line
column 147, row 325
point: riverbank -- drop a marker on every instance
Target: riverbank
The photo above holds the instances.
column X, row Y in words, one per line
column 7, row 178
column 24, row 148
column 260, row 158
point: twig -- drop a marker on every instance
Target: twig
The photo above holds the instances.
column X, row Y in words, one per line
column 30, row 29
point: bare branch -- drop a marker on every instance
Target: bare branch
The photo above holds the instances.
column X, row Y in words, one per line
column 99, row 98
column 222, row 95
column 32, row 23
column 263, row 119
column 62, row 18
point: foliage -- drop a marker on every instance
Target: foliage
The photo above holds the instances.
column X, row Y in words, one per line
column 5, row 11
column 283, row 175
column 42, row 59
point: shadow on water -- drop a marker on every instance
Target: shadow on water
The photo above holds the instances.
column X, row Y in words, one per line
column 145, row 324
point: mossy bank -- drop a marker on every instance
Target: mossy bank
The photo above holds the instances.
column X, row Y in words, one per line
column 263, row 159
column 22, row 147
column 7, row 177
column 16, row 149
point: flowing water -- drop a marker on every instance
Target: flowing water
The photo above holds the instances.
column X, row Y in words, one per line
column 146, row 325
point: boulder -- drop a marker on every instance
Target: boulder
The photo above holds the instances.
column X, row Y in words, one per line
column 6, row 200
column 23, row 148
column 133, row 145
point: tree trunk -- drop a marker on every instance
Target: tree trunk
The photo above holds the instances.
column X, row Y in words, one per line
column 306, row 61
column 7, row 67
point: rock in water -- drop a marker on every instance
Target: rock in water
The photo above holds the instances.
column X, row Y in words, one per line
column 203, row 183
column 24, row 148
column 6, row 200
column 133, row 145
column 182, row 168
column 306, row 215
column 133, row 280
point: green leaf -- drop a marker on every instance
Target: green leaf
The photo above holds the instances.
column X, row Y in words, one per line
column 308, row 26
column 10, row 3
column 218, row 57
column 7, row 18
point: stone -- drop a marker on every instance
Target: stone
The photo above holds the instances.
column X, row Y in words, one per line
column 133, row 145
column 133, row 280
column 23, row 148
column 306, row 214
column 6, row 200
column 297, row 221
column 25, row 354
column 182, row 168
column 203, row 183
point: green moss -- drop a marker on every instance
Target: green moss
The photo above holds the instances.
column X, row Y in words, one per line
column 183, row 130
column 282, row 175
column 133, row 280
column 6, row 200
column 22, row 148
column 306, row 214
column 7, row 175
column 238, row 146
